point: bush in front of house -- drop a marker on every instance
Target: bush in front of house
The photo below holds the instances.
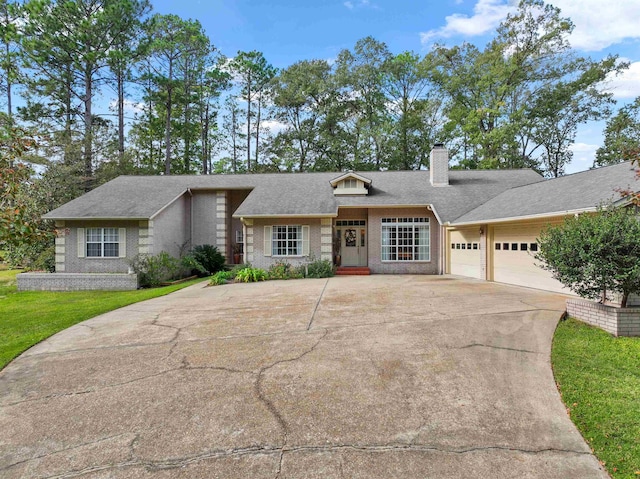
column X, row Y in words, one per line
column 320, row 268
column 251, row 275
column 595, row 254
column 221, row 277
column 284, row 270
column 153, row 270
column 209, row 258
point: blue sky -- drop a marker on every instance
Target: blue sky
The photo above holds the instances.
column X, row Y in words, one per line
column 287, row 31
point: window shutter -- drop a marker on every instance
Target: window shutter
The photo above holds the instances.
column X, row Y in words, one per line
column 305, row 241
column 122, row 240
column 81, row 243
column 267, row 240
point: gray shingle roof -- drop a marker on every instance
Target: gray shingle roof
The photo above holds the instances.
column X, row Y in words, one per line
column 295, row 194
column 572, row 193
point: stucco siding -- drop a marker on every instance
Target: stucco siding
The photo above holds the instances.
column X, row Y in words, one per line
column 172, row 227
column 73, row 264
column 374, row 226
column 257, row 247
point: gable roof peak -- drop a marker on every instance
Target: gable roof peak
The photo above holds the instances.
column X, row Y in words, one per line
column 350, row 174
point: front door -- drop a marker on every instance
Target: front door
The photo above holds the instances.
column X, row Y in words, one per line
column 353, row 242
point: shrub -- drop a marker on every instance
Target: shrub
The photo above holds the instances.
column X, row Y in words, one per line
column 209, row 258
column 320, row 268
column 192, row 265
column 593, row 254
column 284, row 270
column 46, row 260
column 221, row 277
column 251, row 275
column 153, row 270
column 38, row 255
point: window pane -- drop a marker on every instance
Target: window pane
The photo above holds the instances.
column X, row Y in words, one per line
column 111, row 250
column 94, row 250
column 94, row 235
column 111, row 235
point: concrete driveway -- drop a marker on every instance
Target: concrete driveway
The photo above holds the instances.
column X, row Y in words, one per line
column 354, row 377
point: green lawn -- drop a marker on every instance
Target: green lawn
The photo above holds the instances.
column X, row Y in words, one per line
column 599, row 379
column 28, row 317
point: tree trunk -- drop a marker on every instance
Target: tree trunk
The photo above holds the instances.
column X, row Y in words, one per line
column 8, row 53
column 167, row 131
column 249, row 123
column 88, row 130
column 255, row 163
column 67, row 118
column 120, row 80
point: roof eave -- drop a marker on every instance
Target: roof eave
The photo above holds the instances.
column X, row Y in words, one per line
column 288, row 215
column 508, row 219
column 95, row 218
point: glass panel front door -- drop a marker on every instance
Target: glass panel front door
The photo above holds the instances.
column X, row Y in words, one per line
column 353, row 244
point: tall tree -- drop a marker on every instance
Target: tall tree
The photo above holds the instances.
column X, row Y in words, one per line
column 300, row 94
column 498, row 96
column 362, row 73
column 124, row 54
column 254, row 75
column 10, row 18
column 233, row 132
column 415, row 108
column 68, row 44
column 172, row 43
column 621, row 137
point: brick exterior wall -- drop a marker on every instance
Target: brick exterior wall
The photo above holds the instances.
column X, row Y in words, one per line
column 439, row 166
column 76, row 282
column 204, row 218
column 255, row 241
column 172, row 227
column 374, row 227
column 67, row 248
column 617, row 321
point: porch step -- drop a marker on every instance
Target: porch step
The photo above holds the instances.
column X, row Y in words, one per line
column 353, row 271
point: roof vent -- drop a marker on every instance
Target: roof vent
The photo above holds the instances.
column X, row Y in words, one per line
column 439, row 165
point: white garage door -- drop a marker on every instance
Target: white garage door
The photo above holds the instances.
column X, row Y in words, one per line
column 513, row 252
column 465, row 253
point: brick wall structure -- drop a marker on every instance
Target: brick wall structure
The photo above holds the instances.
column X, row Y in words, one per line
column 76, row 281
column 614, row 320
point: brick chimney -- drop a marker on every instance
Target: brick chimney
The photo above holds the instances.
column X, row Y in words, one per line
column 439, row 165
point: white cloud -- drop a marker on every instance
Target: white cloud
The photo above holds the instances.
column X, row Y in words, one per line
column 599, row 24
column 274, row 126
column 360, row 4
column 583, row 156
column 627, row 84
column 129, row 106
column 487, row 15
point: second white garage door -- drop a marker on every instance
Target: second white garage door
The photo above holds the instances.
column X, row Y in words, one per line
column 513, row 251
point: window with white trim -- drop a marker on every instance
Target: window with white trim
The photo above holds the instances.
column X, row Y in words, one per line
column 287, row 240
column 102, row 243
column 405, row 239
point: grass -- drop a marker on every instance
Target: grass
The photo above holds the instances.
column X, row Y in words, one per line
column 599, row 379
column 28, row 317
